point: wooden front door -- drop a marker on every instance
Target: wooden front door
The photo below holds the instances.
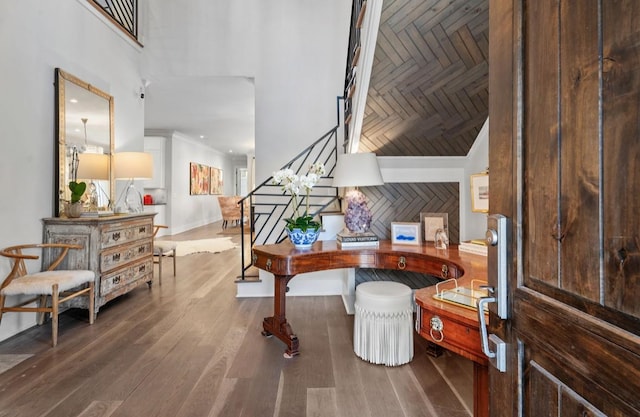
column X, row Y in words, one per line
column 565, row 169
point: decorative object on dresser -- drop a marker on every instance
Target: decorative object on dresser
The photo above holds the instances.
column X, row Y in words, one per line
column 357, row 240
column 431, row 222
column 118, row 249
column 162, row 249
column 132, row 166
column 58, row 285
column 405, row 233
column 357, row 170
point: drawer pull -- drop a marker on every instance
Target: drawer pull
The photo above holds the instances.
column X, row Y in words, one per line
column 254, row 258
column 268, row 265
column 142, row 229
column 115, row 257
column 437, row 326
column 445, row 271
column 142, row 268
column 141, row 249
column 402, row 263
column 116, row 280
column 115, row 236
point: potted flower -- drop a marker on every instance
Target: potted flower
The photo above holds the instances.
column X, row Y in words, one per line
column 302, row 230
column 74, row 208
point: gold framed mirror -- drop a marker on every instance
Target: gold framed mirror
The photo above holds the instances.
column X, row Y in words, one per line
column 84, row 131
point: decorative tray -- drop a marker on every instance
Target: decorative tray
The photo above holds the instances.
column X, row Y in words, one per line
column 461, row 296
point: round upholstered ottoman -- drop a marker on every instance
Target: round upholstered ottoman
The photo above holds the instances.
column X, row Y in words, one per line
column 383, row 324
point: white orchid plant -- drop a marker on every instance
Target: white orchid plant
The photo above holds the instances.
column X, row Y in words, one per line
column 297, row 184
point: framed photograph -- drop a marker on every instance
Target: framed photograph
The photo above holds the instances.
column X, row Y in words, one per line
column 199, row 179
column 480, row 193
column 405, row 233
column 431, row 222
column 216, row 183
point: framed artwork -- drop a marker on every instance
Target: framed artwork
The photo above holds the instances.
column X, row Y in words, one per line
column 405, row 233
column 216, row 182
column 199, row 179
column 431, row 222
column 480, row 193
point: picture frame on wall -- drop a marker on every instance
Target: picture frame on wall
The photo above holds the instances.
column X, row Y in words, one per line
column 216, row 183
column 480, row 192
column 431, row 222
column 405, row 233
column 198, row 178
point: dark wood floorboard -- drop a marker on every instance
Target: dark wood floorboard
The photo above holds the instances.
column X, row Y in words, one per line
column 189, row 347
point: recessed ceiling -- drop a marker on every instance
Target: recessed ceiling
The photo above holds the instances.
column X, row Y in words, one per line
column 219, row 111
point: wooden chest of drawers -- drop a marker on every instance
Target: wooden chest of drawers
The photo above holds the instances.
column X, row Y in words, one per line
column 119, row 249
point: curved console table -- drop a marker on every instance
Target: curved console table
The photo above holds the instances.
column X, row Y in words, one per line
column 285, row 262
column 460, row 325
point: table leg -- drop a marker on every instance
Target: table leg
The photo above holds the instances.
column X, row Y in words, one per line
column 277, row 324
column 480, row 390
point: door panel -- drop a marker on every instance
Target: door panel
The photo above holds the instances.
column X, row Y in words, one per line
column 565, row 168
column 621, row 155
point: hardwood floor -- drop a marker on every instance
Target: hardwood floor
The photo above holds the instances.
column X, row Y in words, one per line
column 189, row 347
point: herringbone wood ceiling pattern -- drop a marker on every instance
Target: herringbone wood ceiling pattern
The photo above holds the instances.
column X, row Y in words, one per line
column 428, row 94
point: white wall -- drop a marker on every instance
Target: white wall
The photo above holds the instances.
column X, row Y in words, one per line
column 189, row 211
column 36, row 37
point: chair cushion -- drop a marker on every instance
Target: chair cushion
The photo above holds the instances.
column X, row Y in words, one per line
column 162, row 246
column 41, row 282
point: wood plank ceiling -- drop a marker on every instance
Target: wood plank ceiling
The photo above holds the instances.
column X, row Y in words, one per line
column 428, row 94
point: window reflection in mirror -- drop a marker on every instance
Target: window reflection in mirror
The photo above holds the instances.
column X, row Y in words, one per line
column 84, row 125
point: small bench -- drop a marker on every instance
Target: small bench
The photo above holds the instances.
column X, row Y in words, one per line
column 383, row 324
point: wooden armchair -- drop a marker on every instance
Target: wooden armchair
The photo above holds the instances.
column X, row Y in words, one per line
column 230, row 210
column 59, row 285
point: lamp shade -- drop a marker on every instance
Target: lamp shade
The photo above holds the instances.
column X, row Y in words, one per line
column 133, row 165
column 357, row 170
column 93, row 166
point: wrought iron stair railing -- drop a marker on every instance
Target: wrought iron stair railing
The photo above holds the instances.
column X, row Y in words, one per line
column 270, row 205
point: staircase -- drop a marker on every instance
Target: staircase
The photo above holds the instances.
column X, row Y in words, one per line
column 268, row 203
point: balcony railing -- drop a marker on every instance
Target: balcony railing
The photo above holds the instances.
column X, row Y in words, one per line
column 124, row 13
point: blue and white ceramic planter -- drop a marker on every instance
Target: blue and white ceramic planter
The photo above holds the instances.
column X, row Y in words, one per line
column 303, row 240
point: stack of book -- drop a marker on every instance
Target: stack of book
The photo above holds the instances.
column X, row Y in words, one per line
column 477, row 246
column 357, row 240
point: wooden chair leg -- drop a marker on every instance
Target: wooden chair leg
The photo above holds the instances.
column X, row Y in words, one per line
column 92, row 303
column 160, row 256
column 41, row 314
column 1, row 306
column 174, row 262
column 54, row 315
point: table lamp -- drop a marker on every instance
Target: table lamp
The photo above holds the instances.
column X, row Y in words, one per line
column 357, row 170
column 132, row 166
column 93, row 167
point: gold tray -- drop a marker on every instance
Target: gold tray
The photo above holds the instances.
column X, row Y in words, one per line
column 461, row 296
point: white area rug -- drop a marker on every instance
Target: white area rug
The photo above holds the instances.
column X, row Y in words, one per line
column 186, row 247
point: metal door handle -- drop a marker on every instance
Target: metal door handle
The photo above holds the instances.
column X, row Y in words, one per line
column 497, row 358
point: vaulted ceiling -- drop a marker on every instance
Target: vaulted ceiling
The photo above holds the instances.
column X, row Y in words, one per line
column 428, row 94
